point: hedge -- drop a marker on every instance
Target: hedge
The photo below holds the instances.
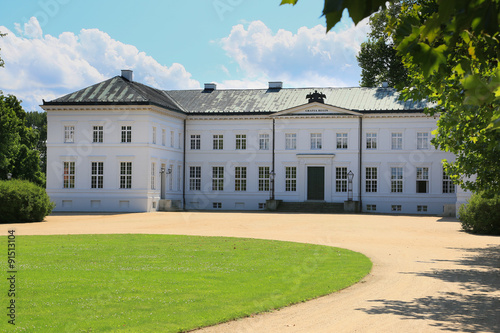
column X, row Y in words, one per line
column 22, row 201
column 481, row 215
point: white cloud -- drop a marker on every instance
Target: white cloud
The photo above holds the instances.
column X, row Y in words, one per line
column 309, row 57
column 47, row 67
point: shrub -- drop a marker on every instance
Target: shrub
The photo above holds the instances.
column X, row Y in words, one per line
column 22, row 201
column 481, row 215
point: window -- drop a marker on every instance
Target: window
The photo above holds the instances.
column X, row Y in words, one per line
column 263, row 141
column 396, row 141
column 263, row 178
column 97, row 177
column 217, row 178
column 421, row 208
column 396, row 179
column 180, row 141
column 153, row 178
column 396, row 208
column 422, row 180
column 172, row 138
column 98, row 134
column 126, row 175
column 371, row 208
column 422, row 140
column 448, row 186
column 195, row 141
column 218, row 142
column 371, row 180
column 290, row 141
column 195, row 178
column 69, row 134
column 179, row 177
column 154, row 135
column 171, row 178
column 69, row 175
column 371, row 140
column 341, row 179
column 217, row 205
column 240, row 179
column 241, row 141
column 341, row 140
column 126, row 133
column 290, row 179
column 316, row 141
column 163, row 137
column 262, row 205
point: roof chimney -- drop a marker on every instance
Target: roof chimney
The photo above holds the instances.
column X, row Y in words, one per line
column 210, row 86
column 275, row 85
column 128, row 74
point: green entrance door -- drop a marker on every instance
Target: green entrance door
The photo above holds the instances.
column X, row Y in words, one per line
column 315, row 183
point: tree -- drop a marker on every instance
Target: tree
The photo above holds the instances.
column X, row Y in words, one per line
column 377, row 58
column 451, row 50
column 1, row 61
column 38, row 122
column 18, row 154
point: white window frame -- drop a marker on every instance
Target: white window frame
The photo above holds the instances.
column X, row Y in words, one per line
column 264, row 178
column 154, row 135
column 264, row 141
column 126, row 134
column 97, row 134
column 69, row 134
column 163, row 137
column 422, row 176
column 153, row 175
column 218, row 178
column 448, row 186
column 422, row 140
column 97, row 175
column 290, row 179
column 290, row 141
column 316, row 141
column 241, row 141
column 195, row 142
column 125, row 175
column 240, row 178
column 340, row 179
column 397, row 175
column 342, row 140
column 371, row 179
column 69, row 174
column 371, row 140
column 195, row 178
column 396, row 140
column 218, row 142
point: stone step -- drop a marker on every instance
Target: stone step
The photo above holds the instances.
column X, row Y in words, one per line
column 311, row 207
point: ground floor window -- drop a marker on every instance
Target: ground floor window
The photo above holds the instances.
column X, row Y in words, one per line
column 421, row 208
column 371, row 180
column 422, row 180
column 263, row 178
column 396, row 180
column 217, row 205
column 126, row 175
column 240, row 178
column 69, row 174
column 290, row 179
column 371, row 208
column 195, row 178
column 341, row 179
column 448, row 186
column 217, row 178
column 396, row 208
column 97, row 177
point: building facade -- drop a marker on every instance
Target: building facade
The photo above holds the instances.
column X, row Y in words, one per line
column 122, row 146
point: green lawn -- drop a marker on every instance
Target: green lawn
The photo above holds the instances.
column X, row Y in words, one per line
column 163, row 283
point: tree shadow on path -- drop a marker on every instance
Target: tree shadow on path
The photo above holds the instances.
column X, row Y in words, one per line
column 476, row 309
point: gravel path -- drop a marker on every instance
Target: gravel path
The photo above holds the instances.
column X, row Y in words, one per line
column 427, row 275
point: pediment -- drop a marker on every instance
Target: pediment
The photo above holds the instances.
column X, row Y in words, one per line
column 315, row 108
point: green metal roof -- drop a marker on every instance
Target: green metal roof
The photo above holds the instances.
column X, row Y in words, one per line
column 274, row 100
column 120, row 91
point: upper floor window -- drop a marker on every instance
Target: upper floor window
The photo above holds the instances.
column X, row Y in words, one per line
column 371, row 140
column 422, row 140
column 218, row 141
column 154, row 135
column 396, row 141
column 172, row 139
column 341, row 140
column 69, row 134
column 163, row 137
column 241, row 141
column 195, row 141
column 126, row 133
column 316, row 141
column 98, row 134
column 290, row 141
column 264, row 141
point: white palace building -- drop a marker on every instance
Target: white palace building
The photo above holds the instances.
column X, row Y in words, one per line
column 122, row 146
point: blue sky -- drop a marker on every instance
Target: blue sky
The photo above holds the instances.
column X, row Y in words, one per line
column 55, row 47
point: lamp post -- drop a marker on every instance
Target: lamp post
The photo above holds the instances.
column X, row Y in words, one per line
column 350, row 177
column 272, row 175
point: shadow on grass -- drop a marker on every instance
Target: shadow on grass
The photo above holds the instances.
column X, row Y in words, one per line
column 477, row 309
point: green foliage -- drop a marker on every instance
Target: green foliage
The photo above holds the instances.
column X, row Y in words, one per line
column 377, row 58
column 19, row 144
column 481, row 215
column 1, row 60
column 165, row 283
column 451, row 50
column 23, row 201
column 38, row 122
